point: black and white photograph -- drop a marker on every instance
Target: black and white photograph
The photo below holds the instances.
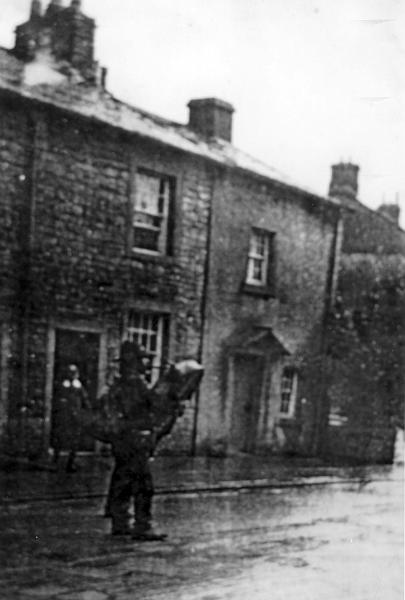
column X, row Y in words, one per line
column 202, row 299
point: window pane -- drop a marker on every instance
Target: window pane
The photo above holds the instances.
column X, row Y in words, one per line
column 164, row 195
column 148, row 333
column 151, row 208
column 146, row 239
column 147, row 194
column 257, row 269
column 259, row 258
column 260, row 245
column 146, row 220
column 288, row 391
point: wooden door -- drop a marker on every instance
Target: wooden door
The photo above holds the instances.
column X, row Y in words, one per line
column 248, row 384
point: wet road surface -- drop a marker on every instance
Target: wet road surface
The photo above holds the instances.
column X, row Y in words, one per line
column 317, row 542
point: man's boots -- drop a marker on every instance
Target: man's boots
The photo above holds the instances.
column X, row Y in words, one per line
column 70, row 465
column 146, row 533
column 120, row 528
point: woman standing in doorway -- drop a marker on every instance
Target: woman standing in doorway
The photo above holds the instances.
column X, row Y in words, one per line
column 70, row 399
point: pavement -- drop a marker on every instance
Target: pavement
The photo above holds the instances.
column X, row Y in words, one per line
column 23, row 481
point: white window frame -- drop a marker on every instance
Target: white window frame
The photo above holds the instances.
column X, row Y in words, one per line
column 258, row 256
column 147, row 330
column 161, row 216
column 288, row 387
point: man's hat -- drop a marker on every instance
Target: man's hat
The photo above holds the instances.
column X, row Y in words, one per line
column 131, row 351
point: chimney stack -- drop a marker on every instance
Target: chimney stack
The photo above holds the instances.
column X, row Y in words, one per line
column 344, row 185
column 211, row 118
column 36, row 9
column 65, row 32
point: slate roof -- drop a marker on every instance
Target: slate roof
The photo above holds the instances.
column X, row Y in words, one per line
column 99, row 105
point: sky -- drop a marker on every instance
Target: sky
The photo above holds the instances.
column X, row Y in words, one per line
column 313, row 82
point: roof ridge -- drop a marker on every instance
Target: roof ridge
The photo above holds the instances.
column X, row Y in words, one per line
column 102, row 106
column 143, row 111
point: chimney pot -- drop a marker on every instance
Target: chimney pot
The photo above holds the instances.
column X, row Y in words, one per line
column 344, row 184
column 211, row 117
column 55, row 4
column 103, row 81
column 54, row 7
column 76, row 5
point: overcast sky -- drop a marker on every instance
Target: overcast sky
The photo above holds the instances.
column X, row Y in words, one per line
column 312, row 82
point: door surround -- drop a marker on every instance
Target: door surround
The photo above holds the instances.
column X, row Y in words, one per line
column 79, row 326
column 5, row 346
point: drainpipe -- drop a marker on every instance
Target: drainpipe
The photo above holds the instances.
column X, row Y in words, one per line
column 321, row 409
column 28, row 235
column 203, row 314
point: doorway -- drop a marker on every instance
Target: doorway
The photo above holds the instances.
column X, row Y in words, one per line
column 82, row 349
column 248, row 384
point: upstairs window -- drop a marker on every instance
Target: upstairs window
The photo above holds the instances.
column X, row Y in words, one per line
column 151, row 213
column 260, row 259
column 150, row 332
column 288, row 392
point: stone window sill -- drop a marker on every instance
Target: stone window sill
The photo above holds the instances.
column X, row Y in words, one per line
column 287, row 421
column 258, row 290
column 150, row 257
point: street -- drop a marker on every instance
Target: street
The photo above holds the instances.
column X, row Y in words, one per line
column 332, row 542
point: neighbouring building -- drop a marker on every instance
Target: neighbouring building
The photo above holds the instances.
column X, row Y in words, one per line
column 116, row 224
column 366, row 333
column 270, row 281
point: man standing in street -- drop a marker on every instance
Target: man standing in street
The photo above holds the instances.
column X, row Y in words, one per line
column 130, row 401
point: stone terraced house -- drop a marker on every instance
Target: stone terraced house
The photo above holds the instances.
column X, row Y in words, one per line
column 116, row 223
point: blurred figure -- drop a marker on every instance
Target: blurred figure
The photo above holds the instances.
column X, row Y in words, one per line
column 70, row 399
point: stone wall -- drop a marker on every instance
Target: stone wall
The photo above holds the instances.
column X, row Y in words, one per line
column 304, row 231
column 69, row 197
